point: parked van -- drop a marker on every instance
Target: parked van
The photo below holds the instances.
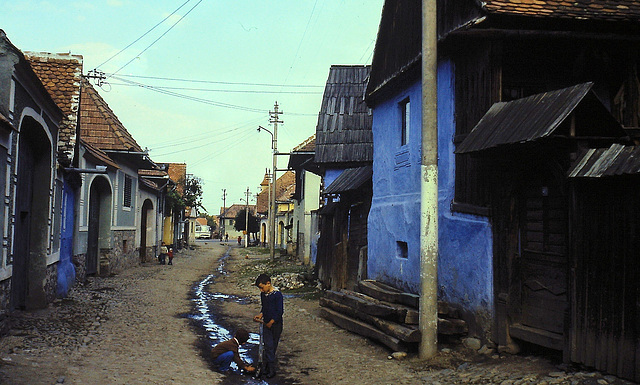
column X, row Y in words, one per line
column 203, row 232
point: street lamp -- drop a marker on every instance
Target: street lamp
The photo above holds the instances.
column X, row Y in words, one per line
column 272, row 193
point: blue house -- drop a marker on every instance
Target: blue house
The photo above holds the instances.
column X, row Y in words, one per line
column 523, row 90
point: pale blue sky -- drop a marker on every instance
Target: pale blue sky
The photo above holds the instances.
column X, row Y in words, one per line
column 281, row 44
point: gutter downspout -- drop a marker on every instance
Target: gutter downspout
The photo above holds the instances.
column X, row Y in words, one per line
column 429, row 185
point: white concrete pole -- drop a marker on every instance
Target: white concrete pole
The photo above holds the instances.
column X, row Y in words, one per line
column 429, row 185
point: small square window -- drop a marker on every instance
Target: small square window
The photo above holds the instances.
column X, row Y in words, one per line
column 405, row 121
column 402, row 249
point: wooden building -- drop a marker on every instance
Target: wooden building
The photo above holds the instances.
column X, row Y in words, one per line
column 526, row 91
column 343, row 154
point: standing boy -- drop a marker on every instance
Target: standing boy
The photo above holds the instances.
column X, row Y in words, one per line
column 271, row 317
column 227, row 351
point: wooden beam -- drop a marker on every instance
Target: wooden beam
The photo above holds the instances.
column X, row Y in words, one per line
column 369, row 305
column 401, row 332
column 387, row 293
column 363, row 329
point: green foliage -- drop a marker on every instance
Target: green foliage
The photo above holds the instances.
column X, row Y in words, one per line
column 254, row 223
column 211, row 222
column 191, row 195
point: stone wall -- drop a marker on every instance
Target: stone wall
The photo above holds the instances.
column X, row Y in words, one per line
column 123, row 254
column 80, row 263
column 51, row 282
column 5, row 300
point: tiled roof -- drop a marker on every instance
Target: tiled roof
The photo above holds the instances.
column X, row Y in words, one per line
column 285, row 187
column 177, row 173
column 100, row 156
column 100, row 126
column 61, row 75
column 233, row 210
column 609, row 10
column 307, row 145
column 152, row 173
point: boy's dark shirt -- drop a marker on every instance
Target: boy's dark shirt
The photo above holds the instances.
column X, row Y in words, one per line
column 225, row 346
column 272, row 306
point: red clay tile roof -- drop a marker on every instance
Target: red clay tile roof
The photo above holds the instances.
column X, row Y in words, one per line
column 100, row 156
column 307, row 145
column 100, row 126
column 233, row 210
column 152, row 173
column 610, row 10
column 61, row 75
column 177, row 173
column 285, row 187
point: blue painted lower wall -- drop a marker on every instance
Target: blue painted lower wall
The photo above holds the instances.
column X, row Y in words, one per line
column 465, row 274
column 66, row 269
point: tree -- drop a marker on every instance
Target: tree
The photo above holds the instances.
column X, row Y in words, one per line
column 192, row 192
column 211, row 222
column 254, row 223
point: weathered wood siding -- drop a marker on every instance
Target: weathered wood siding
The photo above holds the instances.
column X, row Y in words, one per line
column 606, row 276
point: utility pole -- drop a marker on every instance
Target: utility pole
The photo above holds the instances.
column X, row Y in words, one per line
column 273, row 119
column 429, row 184
column 246, row 220
column 224, row 212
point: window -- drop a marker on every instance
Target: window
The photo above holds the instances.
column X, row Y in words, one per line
column 402, row 250
column 405, row 112
column 127, row 190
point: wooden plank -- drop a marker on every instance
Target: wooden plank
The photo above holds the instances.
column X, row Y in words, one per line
column 401, row 332
column 404, row 314
column 537, row 336
column 369, row 307
column 388, row 293
column 363, row 329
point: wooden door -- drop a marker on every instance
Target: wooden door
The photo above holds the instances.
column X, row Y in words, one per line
column 21, row 247
column 94, row 229
column 542, row 268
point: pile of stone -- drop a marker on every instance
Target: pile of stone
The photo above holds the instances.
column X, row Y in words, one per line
column 288, row 281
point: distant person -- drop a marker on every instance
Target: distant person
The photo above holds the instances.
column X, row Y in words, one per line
column 227, row 351
column 271, row 317
column 163, row 253
column 239, row 239
column 226, row 237
column 170, row 255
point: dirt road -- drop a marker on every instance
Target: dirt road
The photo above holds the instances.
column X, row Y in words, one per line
column 137, row 328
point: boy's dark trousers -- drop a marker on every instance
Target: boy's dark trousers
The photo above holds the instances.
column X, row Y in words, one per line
column 271, row 339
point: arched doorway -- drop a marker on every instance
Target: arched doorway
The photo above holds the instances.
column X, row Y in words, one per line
column 147, row 230
column 263, row 233
column 281, row 234
column 32, row 216
column 99, row 236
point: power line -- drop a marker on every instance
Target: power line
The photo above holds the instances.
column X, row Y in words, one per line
column 143, row 35
column 226, row 91
column 301, row 40
column 155, row 41
column 220, row 82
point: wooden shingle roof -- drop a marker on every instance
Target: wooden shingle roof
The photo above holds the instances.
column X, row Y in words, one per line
column 61, row 75
column 100, row 126
column 343, row 132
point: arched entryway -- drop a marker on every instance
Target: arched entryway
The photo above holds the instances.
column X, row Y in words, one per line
column 147, row 230
column 99, row 236
column 281, row 238
column 32, row 216
column 263, row 233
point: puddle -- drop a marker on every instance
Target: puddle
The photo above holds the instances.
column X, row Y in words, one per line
column 215, row 328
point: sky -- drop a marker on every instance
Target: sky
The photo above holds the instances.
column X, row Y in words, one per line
column 192, row 80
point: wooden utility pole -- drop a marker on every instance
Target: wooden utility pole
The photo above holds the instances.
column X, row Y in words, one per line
column 273, row 119
column 223, row 228
column 429, row 184
column 246, row 220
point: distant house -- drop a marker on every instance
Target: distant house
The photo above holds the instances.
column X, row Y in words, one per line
column 227, row 219
column 32, row 184
column 307, row 198
column 343, row 156
column 531, row 99
column 118, row 219
column 284, row 190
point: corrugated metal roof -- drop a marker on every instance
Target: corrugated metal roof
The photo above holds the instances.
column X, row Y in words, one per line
column 524, row 120
column 618, row 159
column 343, row 132
column 350, row 179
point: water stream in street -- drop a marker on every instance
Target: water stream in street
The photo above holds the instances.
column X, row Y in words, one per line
column 206, row 316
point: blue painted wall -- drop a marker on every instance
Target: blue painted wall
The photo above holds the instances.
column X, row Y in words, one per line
column 66, row 269
column 465, row 241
